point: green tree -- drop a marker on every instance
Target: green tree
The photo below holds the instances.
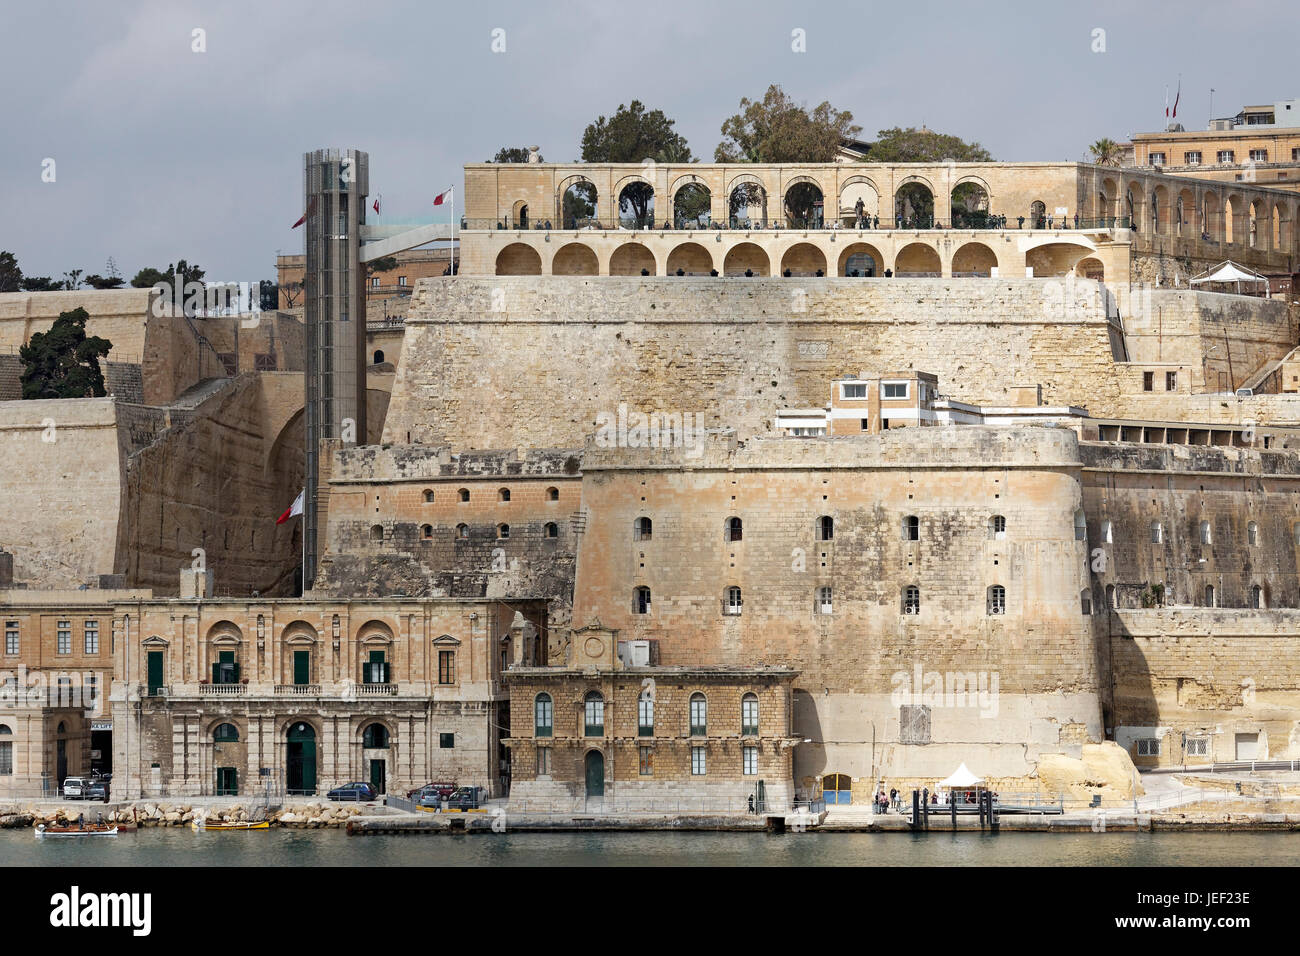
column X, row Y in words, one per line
column 634, row 135
column 579, row 203
column 1106, row 152
column 72, row 280
column 923, row 145
column 11, row 277
column 513, row 154
column 383, row 264
column 64, row 362
column 149, row 277
column 776, row 129
column 102, row 282
column 41, row 284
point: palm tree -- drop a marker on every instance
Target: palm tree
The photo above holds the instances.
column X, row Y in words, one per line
column 1106, row 152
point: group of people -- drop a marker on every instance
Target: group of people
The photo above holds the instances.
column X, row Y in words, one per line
column 897, row 802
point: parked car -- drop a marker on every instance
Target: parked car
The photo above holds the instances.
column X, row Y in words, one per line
column 354, row 791
column 74, row 788
column 438, row 790
column 466, row 798
column 97, row 789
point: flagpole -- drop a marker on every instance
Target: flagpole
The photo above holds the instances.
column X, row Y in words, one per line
column 453, row 229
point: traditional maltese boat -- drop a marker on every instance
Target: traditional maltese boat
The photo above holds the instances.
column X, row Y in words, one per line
column 76, row 830
column 198, row 824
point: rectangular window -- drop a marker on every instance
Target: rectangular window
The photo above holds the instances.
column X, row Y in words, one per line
column 1148, row 747
column 749, row 716
column 858, row 390
column 893, row 390
column 1192, row 157
column 65, row 637
column 647, row 761
column 374, row 282
column 401, row 280
column 697, row 762
column 446, row 667
column 1171, row 381
column 543, row 761
column 1259, row 156
column 6, row 758
column 11, row 637
column 447, row 741
column 92, row 637
column 749, row 761
column 1225, row 156
column 1295, row 154
column 1148, row 381
column 1196, row 747
column 645, row 717
column 1157, row 159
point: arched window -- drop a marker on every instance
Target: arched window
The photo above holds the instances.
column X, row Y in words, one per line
column 379, row 356
column 464, row 494
column 825, row 528
column 1258, row 598
column 593, row 715
column 911, row 599
column 645, row 716
column 642, row 528
column 733, row 529
column 825, row 603
column 1252, row 534
column 503, row 494
column 732, row 602
column 1157, row 532
column 1107, row 531
column 1080, row 526
column 1209, row 595
column 551, row 529
column 749, row 715
column 996, row 599
column 377, row 533
column 699, row 716
column 428, row 496
column 462, row 531
column 641, row 600
column 1085, row 602
column 1205, row 532
column 503, row 531
column 374, row 737
column 225, row 734
column 543, row 715
column 552, row 494
column 426, row 531
column 998, row 527
column 911, row 528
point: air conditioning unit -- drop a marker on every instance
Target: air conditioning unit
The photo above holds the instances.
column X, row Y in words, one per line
column 638, row 654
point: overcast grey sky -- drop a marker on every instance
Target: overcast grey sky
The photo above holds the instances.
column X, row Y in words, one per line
column 164, row 153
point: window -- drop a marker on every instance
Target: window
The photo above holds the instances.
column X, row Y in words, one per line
column 428, row 496
column 1171, row 381
column 911, row 528
column 503, row 494
column 543, row 761
column 543, row 715
column 551, row 529
column 65, row 637
column 825, row 528
column 1148, row 747
column 824, row 603
column 1148, row 381
column 855, row 390
column 645, row 717
column 697, row 762
column 1192, row 157
column 552, row 494
column 503, row 531
column 893, row 390
column 374, row 737
column 1080, row 526
column 1107, row 531
column 1258, row 599
column 997, row 599
column 641, row 529
column 641, row 600
column 446, row 667
column 911, row 600
column 92, row 637
column 749, row 761
column 1295, row 154
column 1259, row 156
column 11, row 636
column 699, row 715
column 462, row 531
column 377, row 533
column 426, row 531
column 1157, row 532
column 378, row 356
column 734, row 529
column 1252, row 534
column 749, row 715
column 447, row 741
column 464, row 494
column 733, row 601
column 998, row 527
column 1209, row 595
column 1197, row 746
column 376, row 669
column 401, row 280
column 1157, row 159
column 374, row 282
column 6, row 751
column 1205, row 533
column 594, row 715
column 1225, row 156
column 647, row 761
column 225, row 734
column 226, row 669
column 1085, row 602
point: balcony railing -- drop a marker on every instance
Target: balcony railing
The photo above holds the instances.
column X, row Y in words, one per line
column 375, row 690
column 846, row 224
column 297, row 690
column 223, row 690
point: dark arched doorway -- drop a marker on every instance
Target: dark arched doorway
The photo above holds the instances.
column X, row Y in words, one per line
column 300, row 761
column 595, row 767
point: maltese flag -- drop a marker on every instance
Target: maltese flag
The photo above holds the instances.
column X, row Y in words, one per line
column 293, row 509
column 439, row 201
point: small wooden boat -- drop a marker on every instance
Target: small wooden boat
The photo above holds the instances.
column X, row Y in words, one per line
column 80, row 830
column 198, row 825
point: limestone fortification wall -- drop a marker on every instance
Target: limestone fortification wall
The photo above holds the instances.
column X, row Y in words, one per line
column 119, row 315
column 517, row 362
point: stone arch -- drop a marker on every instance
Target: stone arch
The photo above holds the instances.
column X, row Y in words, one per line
column 803, row 259
column 743, row 256
column 630, row 258
column 634, row 198
column 691, row 258
column 568, row 217
column 917, row 259
column 1253, row 225
column 1275, row 238
column 518, row 259
column 1091, row 268
column 974, row 258
column 746, row 200
column 519, row 214
column 1108, row 198
column 575, row 259
column 1211, row 221
column 851, row 258
column 914, row 203
column 803, row 203
column 970, row 202
column 1038, row 214
column 1133, row 205
column 1184, row 211
column 1160, row 214
column 686, row 195
column 1055, row 258
column 361, row 725
column 1231, row 204
column 852, row 190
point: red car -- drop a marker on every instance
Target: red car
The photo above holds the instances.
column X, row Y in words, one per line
column 440, row 791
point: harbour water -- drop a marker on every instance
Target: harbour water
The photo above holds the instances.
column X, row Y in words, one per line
column 159, row 847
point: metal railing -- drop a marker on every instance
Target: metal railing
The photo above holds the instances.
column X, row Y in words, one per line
column 850, row 224
column 591, row 806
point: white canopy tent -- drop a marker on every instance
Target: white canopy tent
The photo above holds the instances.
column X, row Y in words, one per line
column 961, row 778
column 1229, row 272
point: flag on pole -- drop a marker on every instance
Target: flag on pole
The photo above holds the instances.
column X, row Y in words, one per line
column 1178, row 96
column 1166, row 102
column 311, row 208
column 293, row 509
column 376, row 206
column 441, row 197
